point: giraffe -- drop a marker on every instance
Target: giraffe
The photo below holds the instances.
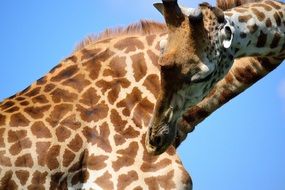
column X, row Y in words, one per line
column 223, row 37
column 82, row 126
column 56, row 92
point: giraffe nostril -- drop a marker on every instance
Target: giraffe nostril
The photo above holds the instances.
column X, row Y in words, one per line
column 156, row 141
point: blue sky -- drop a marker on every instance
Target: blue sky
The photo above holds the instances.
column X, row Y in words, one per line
column 241, row 146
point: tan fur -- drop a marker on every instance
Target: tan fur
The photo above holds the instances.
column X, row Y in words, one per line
column 228, row 4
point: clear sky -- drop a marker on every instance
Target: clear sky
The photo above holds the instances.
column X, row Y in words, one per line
column 240, row 147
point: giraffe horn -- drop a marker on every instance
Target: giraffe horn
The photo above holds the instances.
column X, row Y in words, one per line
column 173, row 14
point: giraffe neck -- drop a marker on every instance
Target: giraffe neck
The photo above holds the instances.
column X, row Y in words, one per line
column 258, row 29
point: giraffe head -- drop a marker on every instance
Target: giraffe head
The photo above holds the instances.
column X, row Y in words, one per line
column 189, row 59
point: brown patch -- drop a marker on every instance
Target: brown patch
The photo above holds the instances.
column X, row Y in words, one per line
column 25, row 103
column 139, row 66
column 41, row 150
column 240, row 10
column 23, row 176
column 229, row 78
column 93, row 66
column 62, row 133
column 119, row 139
column 194, row 114
column 143, row 112
column 58, row 113
column 2, row 131
column 266, row 7
column 51, row 157
column 32, row 92
column 261, row 41
column 38, row 181
column 268, row 23
column 55, row 68
column 114, row 87
column 59, row 95
column 2, row 120
column 14, row 136
column 105, row 181
column 77, row 82
column 260, row 15
column 124, row 134
column 244, row 18
column 129, row 44
column 101, row 138
column 72, row 58
column 94, row 113
column 127, row 156
column 71, row 122
column 7, row 105
column 76, row 144
column 152, row 83
column 246, row 75
column 12, row 110
column 273, row 4
column 68, row 157
column 89, row 53
column 7, row 183
column 150, row 39
column 37, row 112
column 252, row 28
column 153, row 57
column 130, row 101
column 24, row 161
column 20, row 145
column 117, row 67
column 65, row 73
column 275, row 41
column 42, row 81
column 277, row 19
column 125, row 180
column 40, row 130
column 164, row 181
column 96, row 162
column 117, row 121
column 49, row 87
column 90, row 97
column 19, row 120
column 4, row 160
column 154, row 167
column 41, row 99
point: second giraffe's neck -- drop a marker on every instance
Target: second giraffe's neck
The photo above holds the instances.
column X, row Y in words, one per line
column 258, row 29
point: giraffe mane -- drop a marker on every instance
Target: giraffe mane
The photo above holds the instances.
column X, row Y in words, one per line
column 228, row 4
column 143, row 27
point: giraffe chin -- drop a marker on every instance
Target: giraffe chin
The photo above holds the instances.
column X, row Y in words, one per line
column 158, row 144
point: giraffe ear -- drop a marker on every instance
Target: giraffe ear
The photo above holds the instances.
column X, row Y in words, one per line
column 226, row 35
column 185, row 10
column 159, row 7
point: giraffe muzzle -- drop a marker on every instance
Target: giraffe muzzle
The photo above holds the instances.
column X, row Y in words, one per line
column 161, row 134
